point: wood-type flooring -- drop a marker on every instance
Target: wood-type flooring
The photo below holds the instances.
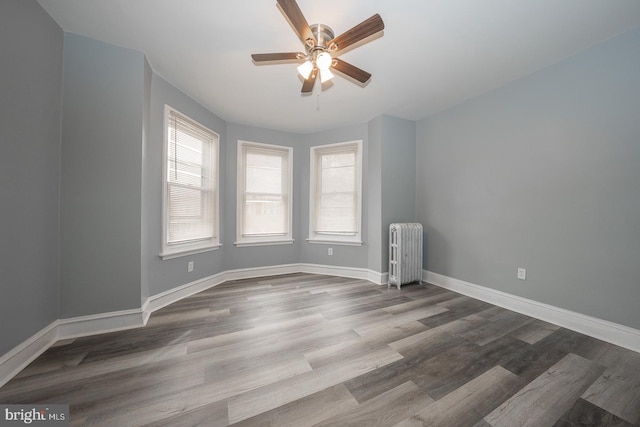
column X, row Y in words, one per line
column 303, row 350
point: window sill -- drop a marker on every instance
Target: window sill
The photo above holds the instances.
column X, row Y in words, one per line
column 264, row 243
column 335, row 242
column 186, row 252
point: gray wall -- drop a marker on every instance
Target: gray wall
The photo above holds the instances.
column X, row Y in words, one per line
column 257, row 256
column 374, row 195
column 167, row 274
column 392, row 183
column 30, row 116
column 164, row 275
column 398, row 171
column 147, row 184
column 101, row 178
column 544, row 174
column 346, row 256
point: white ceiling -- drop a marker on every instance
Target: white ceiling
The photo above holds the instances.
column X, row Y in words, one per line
column 432, row 55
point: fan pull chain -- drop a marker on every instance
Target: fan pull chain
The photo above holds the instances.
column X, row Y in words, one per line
column 318, row 102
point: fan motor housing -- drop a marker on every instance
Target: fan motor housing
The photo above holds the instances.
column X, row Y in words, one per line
column 324, row 35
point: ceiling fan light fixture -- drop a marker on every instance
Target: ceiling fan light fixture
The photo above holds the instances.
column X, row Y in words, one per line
column 319, row 41
column 325, row 75
column 305, row 69
column 323, row 61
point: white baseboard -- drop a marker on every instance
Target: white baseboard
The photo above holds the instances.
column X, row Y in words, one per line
column 613, row 333
column 163, row 299
column 102, row 323
column 250, row 273
column 12, row 362
column 20, row 356
column 350, row 272
column 158, row 301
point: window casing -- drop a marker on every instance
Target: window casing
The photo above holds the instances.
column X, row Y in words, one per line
column 264, row 206
column 336, row 193
column 190, row 193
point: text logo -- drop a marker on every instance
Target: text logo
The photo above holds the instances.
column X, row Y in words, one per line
column 36, row 415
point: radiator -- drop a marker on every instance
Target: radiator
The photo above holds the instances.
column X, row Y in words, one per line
column 405, row 253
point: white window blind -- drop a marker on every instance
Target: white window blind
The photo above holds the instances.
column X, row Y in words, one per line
column 264, row 192
column 191, row 188
column 336, row 192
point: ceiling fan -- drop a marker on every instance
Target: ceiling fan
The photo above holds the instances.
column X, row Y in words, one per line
column 321, row 47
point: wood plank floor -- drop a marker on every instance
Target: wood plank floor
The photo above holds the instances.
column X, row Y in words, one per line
column 302, row 350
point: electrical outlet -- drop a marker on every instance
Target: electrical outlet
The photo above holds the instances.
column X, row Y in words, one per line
column 330, row 251
column 522, row 273
column 190, row 266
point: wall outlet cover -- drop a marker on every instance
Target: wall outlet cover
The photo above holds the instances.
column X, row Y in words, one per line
column 522, row 274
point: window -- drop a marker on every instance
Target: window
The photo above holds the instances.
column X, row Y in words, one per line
column 336, row 193
column 190, row 198
column 264, row 194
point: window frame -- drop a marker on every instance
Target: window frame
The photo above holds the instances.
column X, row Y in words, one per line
column 329, row 238
column 272, row 239
column 175, row 250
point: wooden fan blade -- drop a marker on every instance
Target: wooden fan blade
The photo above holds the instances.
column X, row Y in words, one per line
column 296, row 18
column 359, row 32
column 351, row 71
column 307, row 86
column 285, row 56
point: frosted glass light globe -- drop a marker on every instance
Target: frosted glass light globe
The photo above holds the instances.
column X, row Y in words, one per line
column 323, row 61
